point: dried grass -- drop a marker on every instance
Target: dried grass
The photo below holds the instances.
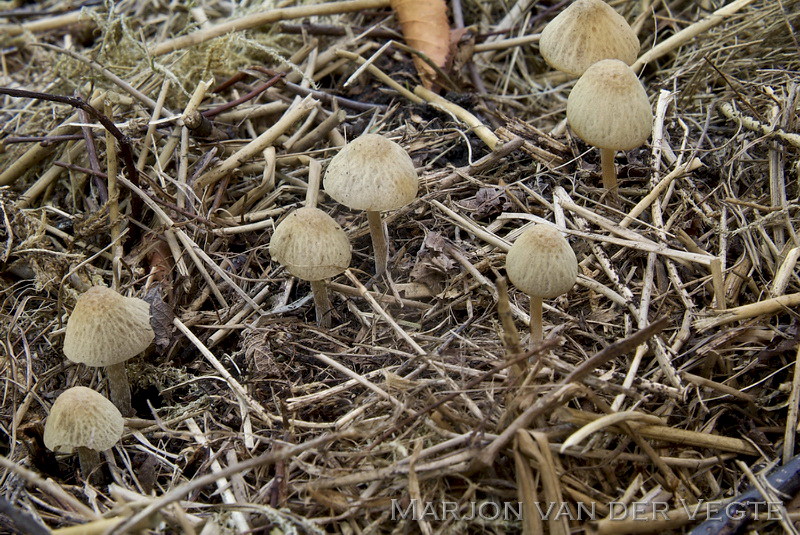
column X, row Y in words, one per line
column 251, row 418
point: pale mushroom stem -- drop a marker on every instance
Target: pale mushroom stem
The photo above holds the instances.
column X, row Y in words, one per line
column 609, row 171
column 378, row 241
column 322, row 304
column 536, row 319
column 119, row 390
column 89, row 460
column 314, row 174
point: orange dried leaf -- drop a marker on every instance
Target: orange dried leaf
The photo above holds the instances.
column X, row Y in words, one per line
column 425, row 28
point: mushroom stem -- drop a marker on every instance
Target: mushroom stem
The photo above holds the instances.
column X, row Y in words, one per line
column 89, row 460
column 536, row 319
column 314, row 174
column 322, row 304
column 119, row 390
column 609, row 172
column 378, row 241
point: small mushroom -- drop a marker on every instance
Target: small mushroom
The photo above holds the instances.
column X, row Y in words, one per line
column 107, row 329
column 84, row 420
column 584, row 33
column 312, row 247
column 608, row 108
column 375, row 174
column 543, row 265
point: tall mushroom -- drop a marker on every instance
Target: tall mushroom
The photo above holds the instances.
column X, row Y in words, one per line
column 84, row 420
column 584, row 33
column 106, row 329
column 375, row 174
column 541, row 264
column 312, row 246
column 609, row 108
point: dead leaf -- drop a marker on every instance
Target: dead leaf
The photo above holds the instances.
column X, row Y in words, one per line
column 462, row 45
column 161, row 316
column 427, row 29
column 432, row 266
column 487, row 201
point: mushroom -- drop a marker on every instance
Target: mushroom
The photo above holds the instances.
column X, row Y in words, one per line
column 608, row 108
column 107, row 329
column 312, row 247
column 84, row 420
column 541, row 264
column 375, row 174
column 584, row 33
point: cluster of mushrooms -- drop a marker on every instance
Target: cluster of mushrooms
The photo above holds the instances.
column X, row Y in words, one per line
column 608, row 108
column 105, row 329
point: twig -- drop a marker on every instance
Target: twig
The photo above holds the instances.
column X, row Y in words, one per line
column 266, row 139
column 360, row 379
column 513, row 360
column 756, row 126
column 760, row 308
column 193, row 249
column 380, row 75
column 616, row 349
column 238, row 518
column 688, row 33
column 266, row 459
column 261, row 19
column 79, row 103
column 49, row 487
column 385, row 315
column 481, row 130
column 47, row 23
column 246, row 400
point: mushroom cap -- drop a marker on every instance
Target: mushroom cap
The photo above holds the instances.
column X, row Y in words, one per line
column 80, row 417
column 541, row 263
column 372, row 173
column 107, row 328
column 310, row 245
column 584, row 33
column 608, row 107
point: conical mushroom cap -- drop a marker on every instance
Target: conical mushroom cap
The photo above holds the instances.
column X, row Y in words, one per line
column 310, row 245
column 541, row 263
column 608, row 107
column 106, row 328
column 372, row 173
column 81, row 417
column 584, row 33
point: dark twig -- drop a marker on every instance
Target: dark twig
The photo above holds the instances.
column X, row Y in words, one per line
column 44, row 140
column 739, row 511
column 123, row 140
column 615, row 350
column 94, row 162
column 328, row 29
column 22, row 520
column 244, row 98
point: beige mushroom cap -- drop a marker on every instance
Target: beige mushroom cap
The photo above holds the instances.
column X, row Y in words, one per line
column 584, row 33
column 310, row 245
column 608, row 107
column 106, row 328
column 541, row 263
column 372, row 173
column 81, row 417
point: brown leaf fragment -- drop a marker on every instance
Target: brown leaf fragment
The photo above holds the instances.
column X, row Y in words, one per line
column 425, row 28
column 161, row 316
column 487, row 201
column 432, row 266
